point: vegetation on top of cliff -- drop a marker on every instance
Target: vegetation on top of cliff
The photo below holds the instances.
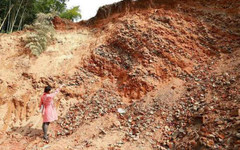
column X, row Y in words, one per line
column 71, row 14
column 14, row 14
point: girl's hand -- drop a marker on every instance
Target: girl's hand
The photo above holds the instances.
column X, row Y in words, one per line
column 41, row 109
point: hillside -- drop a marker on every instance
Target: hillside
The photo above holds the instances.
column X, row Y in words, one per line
column 173, row 66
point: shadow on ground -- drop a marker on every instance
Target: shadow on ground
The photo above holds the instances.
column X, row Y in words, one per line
column 27, row 131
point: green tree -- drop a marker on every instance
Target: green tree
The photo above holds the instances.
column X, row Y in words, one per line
column 71, row 14
column 47, row 6
column 14, row 14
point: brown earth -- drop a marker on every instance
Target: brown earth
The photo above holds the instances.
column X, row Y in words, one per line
column 173, row 66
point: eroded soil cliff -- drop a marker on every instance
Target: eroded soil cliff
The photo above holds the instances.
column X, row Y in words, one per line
column 173, row 66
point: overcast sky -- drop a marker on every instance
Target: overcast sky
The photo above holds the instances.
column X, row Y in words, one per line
column 89, row 7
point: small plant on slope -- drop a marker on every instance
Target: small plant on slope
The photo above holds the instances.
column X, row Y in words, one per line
column 43, row 33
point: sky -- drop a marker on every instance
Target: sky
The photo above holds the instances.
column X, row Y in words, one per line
column 89, row 7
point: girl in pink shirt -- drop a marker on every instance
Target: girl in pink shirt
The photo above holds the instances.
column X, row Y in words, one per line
column 48, row 109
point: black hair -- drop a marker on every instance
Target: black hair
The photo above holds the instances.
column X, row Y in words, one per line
column 47, row 89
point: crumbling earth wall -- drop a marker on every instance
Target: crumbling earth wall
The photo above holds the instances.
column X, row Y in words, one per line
column 173, row 66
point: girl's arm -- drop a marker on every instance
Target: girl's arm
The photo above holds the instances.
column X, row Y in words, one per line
column 56, row 92
column 41, row 105
column 41, row 102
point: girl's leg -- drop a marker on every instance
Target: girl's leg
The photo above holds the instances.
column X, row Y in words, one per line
column 45, row 129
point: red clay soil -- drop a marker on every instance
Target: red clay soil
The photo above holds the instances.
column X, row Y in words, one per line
column 173, row 66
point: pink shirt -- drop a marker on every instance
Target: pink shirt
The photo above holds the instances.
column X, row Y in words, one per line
column 49, row 110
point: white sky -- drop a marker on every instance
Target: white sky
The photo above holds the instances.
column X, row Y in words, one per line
column 89, row 7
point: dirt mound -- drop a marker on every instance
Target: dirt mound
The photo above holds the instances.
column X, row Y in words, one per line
column 64, row 24
column 142, row 75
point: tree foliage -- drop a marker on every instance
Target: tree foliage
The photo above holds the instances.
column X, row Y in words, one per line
column 71, row 14
column 47, row 6
column 14, row 14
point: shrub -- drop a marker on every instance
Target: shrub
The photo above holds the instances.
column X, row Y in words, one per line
column 42, row 34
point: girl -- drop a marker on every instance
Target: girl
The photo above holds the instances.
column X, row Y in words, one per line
column 48, row 109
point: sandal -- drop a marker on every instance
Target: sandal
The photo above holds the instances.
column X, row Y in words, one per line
column 46, row 139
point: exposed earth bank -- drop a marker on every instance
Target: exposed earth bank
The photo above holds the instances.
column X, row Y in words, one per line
column 172, row 66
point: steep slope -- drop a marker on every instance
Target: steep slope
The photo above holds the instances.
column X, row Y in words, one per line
column 172, row 65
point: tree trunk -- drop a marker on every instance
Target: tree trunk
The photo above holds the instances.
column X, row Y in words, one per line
column 9, row 17
column 13, row 23
column 20, row 22
column 10, row 8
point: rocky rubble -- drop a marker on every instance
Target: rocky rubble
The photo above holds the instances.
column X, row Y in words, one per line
column 101, row 103
column 139, row 57
column 211, row 110
column 138, row 121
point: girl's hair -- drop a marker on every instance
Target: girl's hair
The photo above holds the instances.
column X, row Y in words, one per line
column 47, row 89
